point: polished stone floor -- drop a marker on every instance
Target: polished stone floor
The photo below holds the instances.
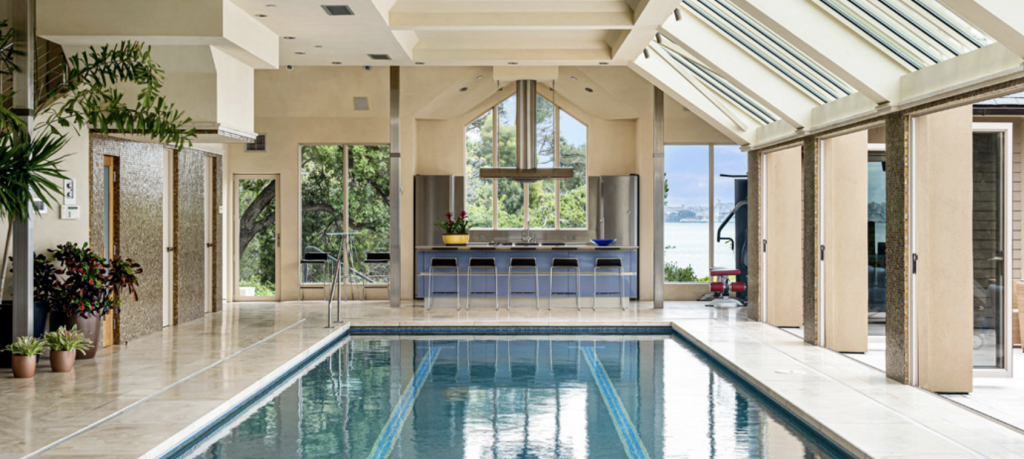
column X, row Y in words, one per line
column 143, row 399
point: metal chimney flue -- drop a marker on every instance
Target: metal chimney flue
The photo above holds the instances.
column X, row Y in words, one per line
column 526, row 122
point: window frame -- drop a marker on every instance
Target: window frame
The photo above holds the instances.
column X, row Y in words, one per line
column 711, row 201
column 345, row 211
column 495, row 138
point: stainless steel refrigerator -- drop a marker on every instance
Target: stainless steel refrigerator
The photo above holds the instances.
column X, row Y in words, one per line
column 435, row 195
column 615, row 204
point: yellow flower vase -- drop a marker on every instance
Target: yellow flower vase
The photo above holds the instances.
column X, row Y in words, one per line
column 456, row 239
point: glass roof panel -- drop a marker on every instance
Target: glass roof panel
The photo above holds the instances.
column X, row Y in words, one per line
column 769, row 48
column 717, row 84
column 918, row 33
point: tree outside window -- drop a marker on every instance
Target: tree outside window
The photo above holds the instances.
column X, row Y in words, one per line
column 544, row 204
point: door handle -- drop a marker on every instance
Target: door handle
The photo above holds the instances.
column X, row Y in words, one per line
column 209, row 245
column 170, row 249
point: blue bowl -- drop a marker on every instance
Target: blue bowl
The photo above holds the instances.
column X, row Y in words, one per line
column 603, row 242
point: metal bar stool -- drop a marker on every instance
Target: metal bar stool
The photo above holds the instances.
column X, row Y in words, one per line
column 444, row 263
column 311, row 258
column 564, row 263
column 524, row 263
column 377, row 259
column 488, row 263
column 610, row 263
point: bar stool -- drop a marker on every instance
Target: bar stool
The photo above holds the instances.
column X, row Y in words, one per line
column 312, row 258
column 378, row 259
column 610, row 263
column 524, row 263
column 488, row 263
column 445, row 263
column 564, row 263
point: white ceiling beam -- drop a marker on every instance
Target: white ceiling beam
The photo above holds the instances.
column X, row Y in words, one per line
column 648, row 15
column 832, row 44
column 658, row 71
column 1002, row 20
column 740, row 68
column 511, row 15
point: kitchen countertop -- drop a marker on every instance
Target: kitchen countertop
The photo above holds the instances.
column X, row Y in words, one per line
column 475, row 246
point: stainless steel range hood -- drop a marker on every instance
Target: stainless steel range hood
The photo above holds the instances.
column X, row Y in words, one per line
column 526, row 142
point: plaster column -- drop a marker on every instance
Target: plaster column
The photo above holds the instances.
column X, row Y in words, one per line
column 754, row 236
column 809, row 165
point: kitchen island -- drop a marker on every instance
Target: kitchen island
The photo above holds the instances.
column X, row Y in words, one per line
column 523, row 279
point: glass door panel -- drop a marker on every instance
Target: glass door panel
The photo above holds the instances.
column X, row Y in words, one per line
column 369, row 208
column 988, row 243
column 257, row 242
column 876, row 243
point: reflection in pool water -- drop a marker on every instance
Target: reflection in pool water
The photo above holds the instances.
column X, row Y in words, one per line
column 525, row 398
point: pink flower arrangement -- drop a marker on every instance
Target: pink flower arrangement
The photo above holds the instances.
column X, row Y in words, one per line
column 454, row 224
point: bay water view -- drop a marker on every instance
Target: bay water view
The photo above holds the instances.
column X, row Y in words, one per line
column 688, row 242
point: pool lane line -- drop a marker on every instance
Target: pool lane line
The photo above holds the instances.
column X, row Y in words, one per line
column 386, row 440
column 627, row 432
column 158, row 393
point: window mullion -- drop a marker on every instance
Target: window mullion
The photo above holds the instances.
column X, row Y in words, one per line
column 495, row 134
column 555, row 140
column 711, row 205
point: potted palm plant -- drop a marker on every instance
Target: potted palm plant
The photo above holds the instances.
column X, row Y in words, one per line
column 63, row 345
column 90, row 96
column 456, row 230
column 25, row 354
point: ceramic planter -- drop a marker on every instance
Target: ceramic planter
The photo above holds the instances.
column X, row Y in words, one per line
column 62, row 361
column 455, row 239
column 24, row 366
column 90, row 326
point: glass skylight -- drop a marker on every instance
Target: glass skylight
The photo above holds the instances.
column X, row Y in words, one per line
column 918, row 33
column 770, row 48
column 717, row 84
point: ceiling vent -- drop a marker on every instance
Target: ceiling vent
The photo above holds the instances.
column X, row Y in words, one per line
column 338, row 10
column 361, row 103
column 260, row 145
column 380, row 57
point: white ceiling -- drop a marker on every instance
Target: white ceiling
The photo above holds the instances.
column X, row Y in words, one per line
column 461, row 32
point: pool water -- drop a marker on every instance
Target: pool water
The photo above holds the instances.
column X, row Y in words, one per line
column 543, row 397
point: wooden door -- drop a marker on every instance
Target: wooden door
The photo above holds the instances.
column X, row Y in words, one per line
column 110, row 231
column 783, row 244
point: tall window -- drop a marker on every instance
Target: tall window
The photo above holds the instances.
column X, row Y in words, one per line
column 328, row 173
column 698, row 202
column 544, row 204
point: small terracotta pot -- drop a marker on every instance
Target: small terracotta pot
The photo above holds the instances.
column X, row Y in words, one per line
column 90, row 326
column 62, row 361
column 24, row 366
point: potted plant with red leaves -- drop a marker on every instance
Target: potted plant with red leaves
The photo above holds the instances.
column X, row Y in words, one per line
column 456, row 230
column 85, row 287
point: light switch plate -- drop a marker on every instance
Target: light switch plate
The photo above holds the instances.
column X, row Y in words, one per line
column 69, row 192
column 70, row 213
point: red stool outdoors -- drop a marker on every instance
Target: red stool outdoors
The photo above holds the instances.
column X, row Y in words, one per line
column 722, row 286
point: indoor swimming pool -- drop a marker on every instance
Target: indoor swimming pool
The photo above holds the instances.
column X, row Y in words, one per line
column 561, row 396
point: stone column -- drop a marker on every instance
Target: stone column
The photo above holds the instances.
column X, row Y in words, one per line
column 810, row 243
column 897, row 237
column 754, row 235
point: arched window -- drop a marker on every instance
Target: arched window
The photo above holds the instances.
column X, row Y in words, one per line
column 545, row 204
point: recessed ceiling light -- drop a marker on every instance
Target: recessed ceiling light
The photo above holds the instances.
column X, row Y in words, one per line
column 573, row 78
column 479, row 77
column 337, row 10
column 380, row 57
column 300, row 52
column 336, row 63
column 420, row 63
column 261, row 15
column 288, row 38
column 319, row 46
column 271, row 6
column 590, row 89
column 463, row 89
column 603, row 63
column 513, row 63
